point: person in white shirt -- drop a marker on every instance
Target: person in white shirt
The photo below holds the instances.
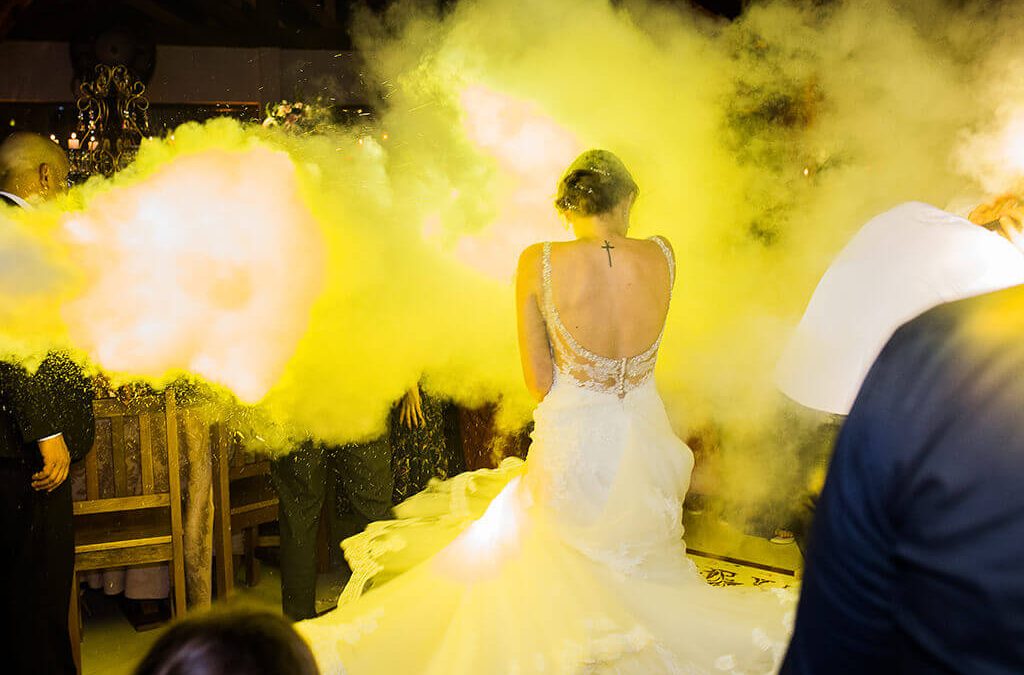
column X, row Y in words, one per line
column 899, row 264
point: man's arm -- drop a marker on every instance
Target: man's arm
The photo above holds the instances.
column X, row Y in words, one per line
column 534, row 348
column 69, row 394
column 39, row 427
column 32, row 409
column 56, row 464
column 53, row 408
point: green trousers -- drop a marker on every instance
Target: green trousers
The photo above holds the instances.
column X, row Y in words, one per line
column 810, row 434
column 304, row 479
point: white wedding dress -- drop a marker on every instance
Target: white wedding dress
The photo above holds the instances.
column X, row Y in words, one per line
column 570, row 562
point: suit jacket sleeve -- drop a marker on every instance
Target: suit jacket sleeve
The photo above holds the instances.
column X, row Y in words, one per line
column 845, row 616
column 33, row 411
column 63, row 403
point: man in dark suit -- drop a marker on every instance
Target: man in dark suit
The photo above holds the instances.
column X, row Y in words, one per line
column 45, row 424
column 916, row 561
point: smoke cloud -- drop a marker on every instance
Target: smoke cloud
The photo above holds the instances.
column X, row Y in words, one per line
column 322, row 276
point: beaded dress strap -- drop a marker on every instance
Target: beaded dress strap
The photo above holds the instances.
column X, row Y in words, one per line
column 657, row 239
column 545, row 268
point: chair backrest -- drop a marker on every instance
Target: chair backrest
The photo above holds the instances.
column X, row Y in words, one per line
column 244, row 498
column 134, row 462
column 131, row 514
column 245, row 463
column 248, row 473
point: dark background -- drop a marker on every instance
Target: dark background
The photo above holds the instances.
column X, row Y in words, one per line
column 307, row 24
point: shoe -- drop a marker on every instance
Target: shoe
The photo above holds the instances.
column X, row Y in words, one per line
column 694, row 504
column 146, row 615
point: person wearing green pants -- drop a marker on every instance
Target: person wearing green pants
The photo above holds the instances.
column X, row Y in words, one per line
column 303, row 480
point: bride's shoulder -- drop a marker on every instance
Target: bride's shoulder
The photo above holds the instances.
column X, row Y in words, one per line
column 529, row 266
column 531, row 254
column 655, row 238
column 662, row 242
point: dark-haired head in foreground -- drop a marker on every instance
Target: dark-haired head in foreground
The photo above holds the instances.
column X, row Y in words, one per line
column 239, row 642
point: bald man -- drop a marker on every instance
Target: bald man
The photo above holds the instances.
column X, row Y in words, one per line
column 45, row 423
column 32, row 168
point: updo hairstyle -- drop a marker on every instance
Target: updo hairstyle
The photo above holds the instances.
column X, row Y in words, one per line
column 594, row 184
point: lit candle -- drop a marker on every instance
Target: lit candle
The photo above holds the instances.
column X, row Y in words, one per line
column 73, row 142
column 92, row 143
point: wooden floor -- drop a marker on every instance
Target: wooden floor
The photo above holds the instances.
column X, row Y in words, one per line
column 708, row 538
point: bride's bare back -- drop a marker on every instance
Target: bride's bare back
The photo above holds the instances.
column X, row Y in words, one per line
column 600, row 312
column 615, row 310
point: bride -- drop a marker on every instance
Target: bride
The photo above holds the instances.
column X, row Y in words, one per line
column 573, row 561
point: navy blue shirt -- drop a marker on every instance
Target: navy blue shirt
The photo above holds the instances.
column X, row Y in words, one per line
column 916, row 562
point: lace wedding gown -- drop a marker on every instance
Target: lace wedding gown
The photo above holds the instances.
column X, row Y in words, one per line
column 570, row 562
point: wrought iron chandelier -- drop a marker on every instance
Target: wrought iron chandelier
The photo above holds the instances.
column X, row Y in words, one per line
column 113, row 117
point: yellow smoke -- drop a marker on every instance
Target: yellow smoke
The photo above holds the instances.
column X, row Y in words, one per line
column 760, row 146
column 198, row 268
column 322, row 277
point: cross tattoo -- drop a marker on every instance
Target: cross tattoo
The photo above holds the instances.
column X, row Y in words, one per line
column 608, row 249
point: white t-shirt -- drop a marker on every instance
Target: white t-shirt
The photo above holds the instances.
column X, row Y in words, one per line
column 900, row 264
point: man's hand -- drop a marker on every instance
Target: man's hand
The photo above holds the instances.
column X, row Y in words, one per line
column 1012, row 222
column 411, row 413
column 1005, row 215
column 56, row 463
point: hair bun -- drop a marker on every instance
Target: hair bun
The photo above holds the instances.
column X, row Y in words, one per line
column 595, row 183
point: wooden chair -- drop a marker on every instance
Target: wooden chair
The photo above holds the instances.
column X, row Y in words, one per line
column 244, row 498
column 131, row 525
